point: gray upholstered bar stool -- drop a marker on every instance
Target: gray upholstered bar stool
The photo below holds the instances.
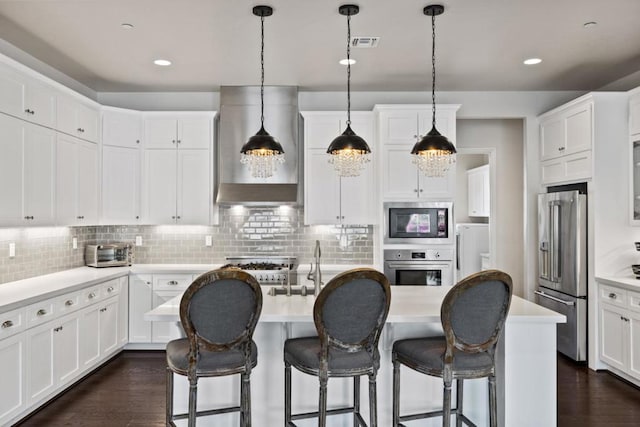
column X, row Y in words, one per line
column 473, row 315
column 349, row 314
column 219, row 312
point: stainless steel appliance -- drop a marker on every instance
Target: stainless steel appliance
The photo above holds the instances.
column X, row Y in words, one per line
column 424, row 266
column 108, row 255
column 562, row 266
column 418, row 222
column 268, row 270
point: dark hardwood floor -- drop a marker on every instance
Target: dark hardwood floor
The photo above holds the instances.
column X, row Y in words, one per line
column 129, row 391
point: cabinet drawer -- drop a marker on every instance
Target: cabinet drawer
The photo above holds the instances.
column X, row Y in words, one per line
column 166, row 282
column 91, row 295
column 40, row 312
column 12, row 322
column 634, row 300
column 613, row 296
column 69, row 302
column 111, row 288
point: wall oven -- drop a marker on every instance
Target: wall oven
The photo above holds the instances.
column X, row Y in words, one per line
column 418, row 223
column 422, row 267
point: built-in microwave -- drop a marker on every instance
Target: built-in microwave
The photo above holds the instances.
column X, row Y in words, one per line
column 418, row 223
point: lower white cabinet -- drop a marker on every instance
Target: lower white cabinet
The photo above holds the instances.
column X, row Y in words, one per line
column 478, row 191
column 140, row 300
column 12, row 366
column 123, row 312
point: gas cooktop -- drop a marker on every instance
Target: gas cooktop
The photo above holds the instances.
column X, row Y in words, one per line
column 268, row 270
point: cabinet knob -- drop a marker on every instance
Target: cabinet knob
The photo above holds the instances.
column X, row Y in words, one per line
column 179, row 141
column 613, row 296
column 415, row 190
column 7, row 324
column 172, row 282
column 110, row 289
column 173, row 141
column 560, row 148
column 69, row 303
column 178, row 217
column 41, row 312
column 102, row 310
column 92, row 295
column 421, row 190
column 137, row 141
column 137, row 217
column 337, row 217
column 173, row 217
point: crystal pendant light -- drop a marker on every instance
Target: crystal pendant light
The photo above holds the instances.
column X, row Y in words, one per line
column 349, row 152
column 434, row 153
column 262, row 153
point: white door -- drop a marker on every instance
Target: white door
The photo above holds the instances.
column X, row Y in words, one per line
column 399, row 127
column 194, row 133
column 87, row 183
column 194, row 195
column 66, row 120
column 322, row 189
column 39, row 174
column 66, row 179
column 634, row 344
column 552, row 136
column 160, row 186
column 90, row 336
column 12, row 371
column 612, row 337
column 356, row 195
column 160, row 132
column 399, row 174
column 11, row 178
column 40, row 367
column 120, row 185
column 109, row 326
column 40, row 100
column 123, row 311
column 88, row 121
column 140, row 300
column 66, row 349
column 122, row 128
column 12, row 88
column 579, row 128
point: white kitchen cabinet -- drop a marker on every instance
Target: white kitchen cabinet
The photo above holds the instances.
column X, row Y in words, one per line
column 90, row 336
column 121, row 128
column 329, row 198
column 121, row 185
column 27, row 178
column 169, row 130
column 140, row 302
column 634, row 114
column 478, row 187
column 109, row 326
column 26, row 98
column 613, row 336
column 77, row 118
column 12, row 371
column 567, row 130
column 123, row 311
column 66, row 349
column 76, row 181
column 400, row 127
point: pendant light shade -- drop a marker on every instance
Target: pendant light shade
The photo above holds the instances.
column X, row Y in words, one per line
column 349, row 152
column 434, row 153
column 262, row 152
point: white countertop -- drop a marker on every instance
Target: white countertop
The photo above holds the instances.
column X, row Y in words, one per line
column 627, row 282
column 409, row 304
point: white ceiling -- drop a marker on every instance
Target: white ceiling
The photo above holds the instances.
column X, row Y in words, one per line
column 480, row 44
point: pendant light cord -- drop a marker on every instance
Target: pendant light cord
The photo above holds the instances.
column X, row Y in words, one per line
column 262, row 71
column 433, row 69
column 349, row 70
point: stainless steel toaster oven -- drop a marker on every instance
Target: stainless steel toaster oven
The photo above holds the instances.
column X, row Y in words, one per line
column 108, row 255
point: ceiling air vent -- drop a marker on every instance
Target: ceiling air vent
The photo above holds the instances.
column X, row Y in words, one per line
column 364, row 42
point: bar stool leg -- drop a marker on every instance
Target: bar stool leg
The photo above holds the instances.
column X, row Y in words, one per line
column 373, row 401
column 356, row 401
column 446, row 407
column 287, row 394
column 322, row 404
column 193, row 397
column 396, row 393
column 493, row 403
column 459, row 400
column 245, row 400
column 169, row 405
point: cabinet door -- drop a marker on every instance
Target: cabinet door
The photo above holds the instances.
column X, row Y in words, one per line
column 90, row 336
column 437, row 187
column 634, row 115
column 66, row 349
column 445, row 123
column 478, row 189
column 39, row 174
column 194, row 195
column 579, row 128
column 163, row 332
column 612, row 337
column 161, row 186
column 160, row 132
column 399, row 127
column 12, row 372
column 194, row 133
column 121, row 128
column 40, row 371
column 120, row 185
column 123, row 311
column 399, row 174
column 140, row 300
column 634, row 344
column 322, row 189
column 108, row 326
column 66, row 115
column 87, row 205
column 40, row 101
column 66, row 179
column 11, row 178
column 12, row 88
column 552, row 134
column 321, row 129
column 88, row 122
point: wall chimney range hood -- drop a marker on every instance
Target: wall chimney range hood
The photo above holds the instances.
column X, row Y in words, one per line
column 238, row 120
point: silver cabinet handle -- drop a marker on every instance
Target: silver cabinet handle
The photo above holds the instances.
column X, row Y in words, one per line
column 58, row 329
column 92, row 295
column 173, row 141
column 172, row 282
column 41, row 312
column 542, row 294
column 102, row 310
column 69, row 303
column 179, row 141
column 7, row 324
column 110, row 289
column 560, row 148
column 613, row 296
column 137, row 141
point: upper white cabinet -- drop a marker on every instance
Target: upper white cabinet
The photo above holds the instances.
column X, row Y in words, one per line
column 26, row 98
column 634, row 143
column 77, row 118
column 329, row 198
column 634, row 114
column 171, row 130
column 400, row 127
column 121, row 128
column 478, row 187
column 76, row 181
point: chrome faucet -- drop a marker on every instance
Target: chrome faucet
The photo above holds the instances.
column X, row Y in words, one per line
column 315, row 274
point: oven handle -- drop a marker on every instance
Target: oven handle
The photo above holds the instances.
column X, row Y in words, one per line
column 416, row 266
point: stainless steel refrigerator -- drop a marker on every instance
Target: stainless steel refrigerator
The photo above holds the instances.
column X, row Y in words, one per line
column 562, row 266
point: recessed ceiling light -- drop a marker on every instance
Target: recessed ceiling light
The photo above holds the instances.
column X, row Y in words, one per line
column 126, row 26
column 590, row 24
column 347, row 61
column 532, row 61
column 162, row 62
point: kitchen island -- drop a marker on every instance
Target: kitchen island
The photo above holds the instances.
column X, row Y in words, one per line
column 526, row 365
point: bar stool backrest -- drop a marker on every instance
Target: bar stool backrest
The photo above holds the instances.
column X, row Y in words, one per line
column 351, row 310
column 474, row 311
column 220, row 309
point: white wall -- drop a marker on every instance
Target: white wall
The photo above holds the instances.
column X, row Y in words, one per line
column 464, row 162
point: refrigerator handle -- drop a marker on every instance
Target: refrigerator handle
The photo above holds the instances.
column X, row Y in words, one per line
column 457, row 251
column 555, row 240
column 542, row 294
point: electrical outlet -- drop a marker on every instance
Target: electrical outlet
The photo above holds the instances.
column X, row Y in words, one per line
column 208, row 240
column 12, row 250
column 74, row 243
column 138, row 240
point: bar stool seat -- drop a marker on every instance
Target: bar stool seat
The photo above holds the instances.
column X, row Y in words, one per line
column 209, row 362
column 304, row 355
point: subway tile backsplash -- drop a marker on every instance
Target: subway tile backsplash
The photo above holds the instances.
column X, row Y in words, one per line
column 242, row 231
